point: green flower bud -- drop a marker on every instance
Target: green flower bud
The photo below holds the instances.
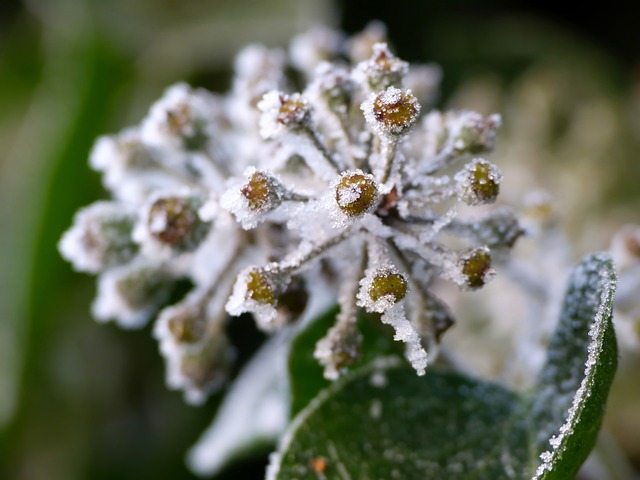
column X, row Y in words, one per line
column 356, row 193
column 262, row 192
column 475, row 266
column 174, row 221
column 479, row 182
column 260, row 287
column 391, row 112
column 385, row 283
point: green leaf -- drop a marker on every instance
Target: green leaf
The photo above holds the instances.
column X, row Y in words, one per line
column 383, row 421
column 571, row 392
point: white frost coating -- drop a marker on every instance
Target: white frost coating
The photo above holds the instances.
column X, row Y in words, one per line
column 387, row 102
column 381, row 364
column 255, row 408
column 236, row 202
column 99, row 238
column 281, row 112
column 406, row 332
column 182, row 113
column 240, row 301
column 117, row 301
column 596, row 333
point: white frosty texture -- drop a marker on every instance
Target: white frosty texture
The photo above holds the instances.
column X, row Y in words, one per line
column 468, row 185
column 342, row 194
column 383, row 303
column 255, row 409
column 240, row 301
column 130, row 168
column 381, row 70
column 213, row 346
column 181, row 115
column 407, row 333
column 130, row 294
column 273, row 121
column 388, row 101
column 235, row 202
column 143, row 232
column 100, row 237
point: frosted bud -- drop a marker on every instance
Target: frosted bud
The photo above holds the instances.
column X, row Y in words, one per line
column 381, row 289
column 382, row 69
column 185, row 322
column 391, row 112
column 476, row 134
column 356, row 193
column 282, row 112
column 339, row 349
column 333, row 84
column 259, row 194
column 206, row 366
column 475, row 268
column 184, row 118
column 479, row 182
column 100, row 237
column 131, row 293
column 173, row 221
column 256, row 291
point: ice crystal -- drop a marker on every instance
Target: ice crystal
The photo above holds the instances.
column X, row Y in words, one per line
column 254, row 195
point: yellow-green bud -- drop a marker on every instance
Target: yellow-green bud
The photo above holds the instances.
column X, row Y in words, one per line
column 388, row 284
column 263, row 193
column 174, row 221
column 479, row 182
column 356, row 193
column 476, row 267
column 391, row 112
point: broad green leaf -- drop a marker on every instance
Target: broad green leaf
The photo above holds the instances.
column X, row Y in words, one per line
column 572, row 389
column 383, row 421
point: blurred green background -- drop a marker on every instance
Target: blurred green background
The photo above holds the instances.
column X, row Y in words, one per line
column 84, row 401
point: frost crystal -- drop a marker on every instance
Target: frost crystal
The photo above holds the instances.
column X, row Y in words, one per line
column 260, row 195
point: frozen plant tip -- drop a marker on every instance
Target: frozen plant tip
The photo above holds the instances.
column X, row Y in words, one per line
column 260, row 195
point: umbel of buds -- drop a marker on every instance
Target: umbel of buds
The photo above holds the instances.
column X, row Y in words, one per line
column 262, row 199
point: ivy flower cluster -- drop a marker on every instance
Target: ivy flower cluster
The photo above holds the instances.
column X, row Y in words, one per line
column 265, row 195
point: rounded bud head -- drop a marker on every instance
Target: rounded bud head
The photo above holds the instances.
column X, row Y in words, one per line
column 186, row 326
column 384, row 60
column 477, row 134
column 262, row 192
column 293, row 110
column 281, row 113
column 479, row 182
column 174, row 221
column 476, row 267
column 260, row 288
column 356, row 193
column 391, row 112
column 388, row 284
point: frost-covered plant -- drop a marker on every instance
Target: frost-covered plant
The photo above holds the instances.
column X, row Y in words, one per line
column 279, row 203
